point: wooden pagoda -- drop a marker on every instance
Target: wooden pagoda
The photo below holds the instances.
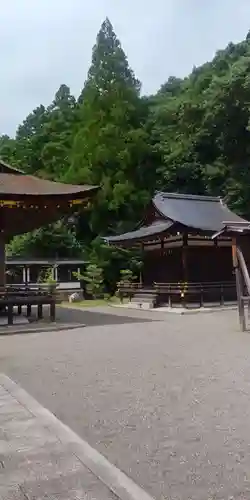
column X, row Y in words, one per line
column 28, row 202
column 180, row 254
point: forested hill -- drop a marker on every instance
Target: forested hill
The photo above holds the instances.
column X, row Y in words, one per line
column 201, row 126
column 192, row 136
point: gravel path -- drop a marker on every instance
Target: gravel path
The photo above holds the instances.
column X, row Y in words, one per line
column 167, row 401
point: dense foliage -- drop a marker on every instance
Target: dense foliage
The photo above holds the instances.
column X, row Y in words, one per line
column 192, row 136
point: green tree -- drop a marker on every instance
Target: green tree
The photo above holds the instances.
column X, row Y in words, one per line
column 192, row 136
column 201, row 129
column 30, row 140
column 44, row 140
column 60, row 128
column 55, row 240
column 123, row 286
column 93, row 278
column 112, row 146
column 7, row 149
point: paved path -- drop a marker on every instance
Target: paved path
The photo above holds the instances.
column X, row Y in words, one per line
column 168, row 402
column 40, row 458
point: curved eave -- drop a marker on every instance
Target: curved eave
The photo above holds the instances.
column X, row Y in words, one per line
column 22, row 220
column 143, row 234
column 26, row 185
column 26, row 213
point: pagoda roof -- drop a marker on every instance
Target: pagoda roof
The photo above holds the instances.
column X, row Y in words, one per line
column 28, row 202
column 194, row 212
column 27, row 185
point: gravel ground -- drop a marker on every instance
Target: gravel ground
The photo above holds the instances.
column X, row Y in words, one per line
column 167, row 401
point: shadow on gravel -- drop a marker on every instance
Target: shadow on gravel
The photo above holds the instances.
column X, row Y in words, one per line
column 89, row 318
column 67, row 319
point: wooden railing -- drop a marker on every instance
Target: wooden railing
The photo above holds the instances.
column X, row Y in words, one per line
column 196, row 292
column 184, row 293
column 128, row 289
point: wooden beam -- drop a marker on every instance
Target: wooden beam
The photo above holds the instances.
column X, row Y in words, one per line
column 239, row 285
column 2, row 262
column 243, row 267
column 184, row 258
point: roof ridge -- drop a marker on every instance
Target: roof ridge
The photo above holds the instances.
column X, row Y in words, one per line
column 185, row 196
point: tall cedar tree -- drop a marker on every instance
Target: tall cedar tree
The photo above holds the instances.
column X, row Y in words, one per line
column 112, row 147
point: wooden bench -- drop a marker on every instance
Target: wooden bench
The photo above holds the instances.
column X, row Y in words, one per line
column 28, row 298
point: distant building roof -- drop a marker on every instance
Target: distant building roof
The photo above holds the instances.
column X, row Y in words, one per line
column 199, row 212
column 143, row 232
column 22, row 261
column 204, row 213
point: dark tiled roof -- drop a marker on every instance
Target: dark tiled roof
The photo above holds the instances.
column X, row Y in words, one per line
column 206, row 213
column 11, row 184
column 141, row 233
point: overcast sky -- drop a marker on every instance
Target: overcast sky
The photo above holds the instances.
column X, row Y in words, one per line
column 48, row 42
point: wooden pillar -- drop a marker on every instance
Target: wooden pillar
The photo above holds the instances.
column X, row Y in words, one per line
column 24, row 275
column 55, row 273
column 27, row 274
column 184, row 259
column 162, row 262
column 53, row 311
column 239, row 286
column 2, row 262
column 141, row 276
column 10, row 314
column 184, row 269
column 39, row 311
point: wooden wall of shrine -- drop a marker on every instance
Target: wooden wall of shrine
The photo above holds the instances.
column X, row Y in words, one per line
column 199, row 264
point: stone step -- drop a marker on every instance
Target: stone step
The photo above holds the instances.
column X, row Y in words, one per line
column 145, row 299
column 142, row 304
column 144, row 296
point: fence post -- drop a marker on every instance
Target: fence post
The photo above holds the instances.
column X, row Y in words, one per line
column 10, row 314
column 222, row 295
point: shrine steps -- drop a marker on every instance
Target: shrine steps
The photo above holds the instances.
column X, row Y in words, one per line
column 144, row 299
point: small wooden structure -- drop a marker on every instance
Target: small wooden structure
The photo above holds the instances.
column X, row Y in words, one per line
column 22, row 271
column 27, row 203
column 240, row 234
column 183, row 263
